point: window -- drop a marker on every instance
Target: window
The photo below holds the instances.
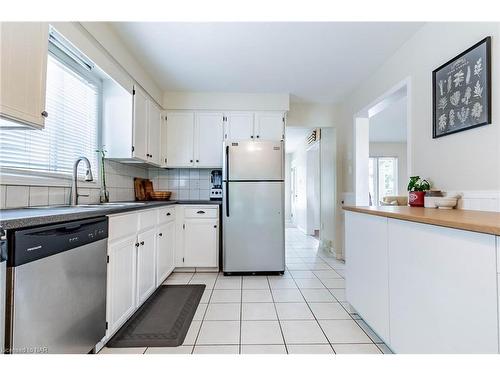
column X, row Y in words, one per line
column 383, row 178
column 72, row 128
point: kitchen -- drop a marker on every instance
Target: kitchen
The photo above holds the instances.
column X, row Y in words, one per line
column 148, row 195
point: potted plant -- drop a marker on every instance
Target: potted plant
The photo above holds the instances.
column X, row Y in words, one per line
column 416, row 191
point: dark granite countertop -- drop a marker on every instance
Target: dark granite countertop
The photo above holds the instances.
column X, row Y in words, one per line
column 33, row 216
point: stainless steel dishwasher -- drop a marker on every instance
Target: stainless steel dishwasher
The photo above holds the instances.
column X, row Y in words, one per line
column 3, row 286
column 56, row 287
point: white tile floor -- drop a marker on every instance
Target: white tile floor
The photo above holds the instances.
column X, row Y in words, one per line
column 302, row 312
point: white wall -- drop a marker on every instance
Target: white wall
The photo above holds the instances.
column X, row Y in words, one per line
column 311, row 115
column 394, row 149
column 288, row 197
column 469, row 160
column 328, row 232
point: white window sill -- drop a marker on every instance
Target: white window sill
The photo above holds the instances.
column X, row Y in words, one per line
column 30, row 178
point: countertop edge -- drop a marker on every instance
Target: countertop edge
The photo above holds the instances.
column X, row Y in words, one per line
column 473, row 221
column 59, row 217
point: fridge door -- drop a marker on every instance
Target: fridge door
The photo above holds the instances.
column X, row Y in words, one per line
column 254, row 161
column 254, row 235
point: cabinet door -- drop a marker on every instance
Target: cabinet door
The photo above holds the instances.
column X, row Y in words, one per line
column 269, row 126
column 239, row 126
column 443, row 292
column 140, row 141
column 209, row 132
column 23, row 70
column 366, row 269
column 201, row 243
column 163, row 142
column 121, row 282
column 154, row 131
column 165, row 251
column 180, row 135
column 146, row 265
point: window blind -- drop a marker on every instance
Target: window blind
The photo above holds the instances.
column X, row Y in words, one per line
column 71, row 130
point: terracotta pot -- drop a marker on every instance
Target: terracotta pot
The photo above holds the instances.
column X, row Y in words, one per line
column 416, row 198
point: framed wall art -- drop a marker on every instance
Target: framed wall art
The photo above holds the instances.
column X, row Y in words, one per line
column 461, row 91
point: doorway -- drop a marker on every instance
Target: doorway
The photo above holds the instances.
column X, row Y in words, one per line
column 382, row 148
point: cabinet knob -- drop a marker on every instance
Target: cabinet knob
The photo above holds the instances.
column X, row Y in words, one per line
column 258, row 136
column 142, row 243
column 197, row 161
column 160, row 234
column 191, row 160
column 251, row 136
column 45, row 114
column 168, row 213
column 137, row 244
column 215, row 226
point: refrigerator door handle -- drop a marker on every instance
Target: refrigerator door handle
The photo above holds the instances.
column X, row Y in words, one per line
column 227, row 181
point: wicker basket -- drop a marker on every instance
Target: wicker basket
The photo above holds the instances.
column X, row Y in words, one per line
column 160, row 195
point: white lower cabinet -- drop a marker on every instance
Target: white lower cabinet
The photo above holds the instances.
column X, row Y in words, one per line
column 165, row 251
column 367, row 272
column 121, row 300
column 146, row 264
column 200, row 242
column 423, row 288
column 442, row 289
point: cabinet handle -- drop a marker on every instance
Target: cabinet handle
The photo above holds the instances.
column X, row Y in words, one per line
column 137, row 244
column 168, row 213
column 142, row 243
column 160, row 234
column 45, row 114
column 200, row 212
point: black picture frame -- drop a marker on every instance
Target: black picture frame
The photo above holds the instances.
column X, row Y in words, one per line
column 437, row 94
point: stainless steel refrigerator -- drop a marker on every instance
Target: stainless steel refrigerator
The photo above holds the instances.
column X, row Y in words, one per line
column 253, row 207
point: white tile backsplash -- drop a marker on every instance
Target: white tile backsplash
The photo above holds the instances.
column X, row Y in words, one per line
column 39, row 196
column 17, row 196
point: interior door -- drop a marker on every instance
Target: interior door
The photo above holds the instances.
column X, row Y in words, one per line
column 165, row 251
column 253, row 227
column 180, row 135
column 239, row 126
column 154, row 133
column 146, row 265
column 269, row 126
column 209, row 133
column 200, row 243
column 140, row 141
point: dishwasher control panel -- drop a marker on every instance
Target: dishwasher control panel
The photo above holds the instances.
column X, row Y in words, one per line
column 36, row 243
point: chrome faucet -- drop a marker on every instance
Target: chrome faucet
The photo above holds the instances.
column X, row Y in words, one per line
column 74, row 186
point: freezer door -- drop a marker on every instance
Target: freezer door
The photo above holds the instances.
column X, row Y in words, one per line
column 254, row 161
column 254, row 236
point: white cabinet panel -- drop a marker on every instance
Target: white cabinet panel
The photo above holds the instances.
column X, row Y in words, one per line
column 163, row 141
column 23, row 70
column 443, row 292
column 239, row 126
column 154, row 133
column 121, row 282
column 146, row 265
column 201, row 243
column 367, row 269
column 140, row 127
column 165, row 251
column 180, row 139
column 269, row 126
column 209, row 134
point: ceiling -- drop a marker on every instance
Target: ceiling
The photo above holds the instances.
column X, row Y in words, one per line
column 389, row 125
column 295, row 138
column 314, row 62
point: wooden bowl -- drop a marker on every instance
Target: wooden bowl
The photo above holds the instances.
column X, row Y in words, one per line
column 160, row 195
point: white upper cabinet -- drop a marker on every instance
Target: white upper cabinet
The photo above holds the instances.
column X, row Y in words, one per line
column 154, row 133
column 209, row 132
column 23, row 70
column 269, row 126
column 239, row 126
column 140, row 126
column 180, row 135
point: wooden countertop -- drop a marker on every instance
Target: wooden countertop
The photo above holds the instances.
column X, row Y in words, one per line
column 475, row 221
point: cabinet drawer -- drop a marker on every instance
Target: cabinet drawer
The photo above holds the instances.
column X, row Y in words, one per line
column 166, row 215
column 200, row 213
column 122, row 225
column 147, row 219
